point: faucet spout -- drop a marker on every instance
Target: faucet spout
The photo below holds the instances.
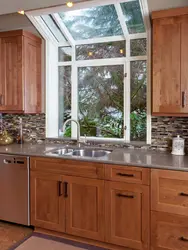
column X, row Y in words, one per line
column 78, row 128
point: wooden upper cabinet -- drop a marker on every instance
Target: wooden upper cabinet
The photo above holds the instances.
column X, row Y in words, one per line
column 127, row 215
column 85, row 207
column 20, row 72
column 170, row 66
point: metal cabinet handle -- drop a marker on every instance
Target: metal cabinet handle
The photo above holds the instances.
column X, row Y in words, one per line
column 65, row 189
column 183, row 239
column 184, row 99
column 125, row 175
column 125, row 196
column 7, row 161
column 60, row 188
column 183, row 194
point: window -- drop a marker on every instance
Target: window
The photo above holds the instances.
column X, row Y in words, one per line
column 102, row 69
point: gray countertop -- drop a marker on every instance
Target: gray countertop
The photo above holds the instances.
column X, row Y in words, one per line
column 121, row 156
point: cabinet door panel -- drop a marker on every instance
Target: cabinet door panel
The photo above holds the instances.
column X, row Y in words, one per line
column 47, row 204
column 85, row 207
column 127, row 215
column 32, row 64
column 184, row 62
column 166, row 91
column 11, row 95
column 169, row 231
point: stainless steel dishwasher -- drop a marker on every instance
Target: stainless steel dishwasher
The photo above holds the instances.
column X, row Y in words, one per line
column 14, row 189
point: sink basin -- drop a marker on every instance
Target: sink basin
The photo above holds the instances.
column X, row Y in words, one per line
column 90, row 153
column 62, row 151
column 86, row 152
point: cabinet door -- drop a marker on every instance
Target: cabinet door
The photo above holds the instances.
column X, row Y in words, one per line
column 166, row 90
column 47, row 203
column 11, row 91
column 32, row 75
column 184, row 62
column 85, row 207
column 169, row 231
column 127, row 215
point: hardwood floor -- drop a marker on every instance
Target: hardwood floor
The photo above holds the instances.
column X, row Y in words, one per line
column 10, row 234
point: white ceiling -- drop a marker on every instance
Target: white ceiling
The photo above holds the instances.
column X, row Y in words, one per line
column 15, row 5
column 166, row 4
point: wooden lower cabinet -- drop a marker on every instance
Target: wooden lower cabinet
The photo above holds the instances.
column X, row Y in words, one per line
column 169, row 231
column 47, row 205
column 85, row 207
column 127, row 215
column 68, row 204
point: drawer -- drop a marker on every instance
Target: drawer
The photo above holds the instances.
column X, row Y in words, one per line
column 169, row 191
column 169, row 232
column 127, row 174
column 68, row 167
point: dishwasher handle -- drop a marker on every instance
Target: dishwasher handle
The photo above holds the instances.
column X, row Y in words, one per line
column 5, row 161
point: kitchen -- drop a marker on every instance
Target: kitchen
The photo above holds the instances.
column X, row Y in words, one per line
column 93, row 103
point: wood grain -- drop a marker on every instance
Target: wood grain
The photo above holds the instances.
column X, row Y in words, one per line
column 127, row 174
column 20, row 72
column 47, row 207
column 68, row 167
column 169, row 190
column 85, row 207
column 168, row 230
column 127, row 218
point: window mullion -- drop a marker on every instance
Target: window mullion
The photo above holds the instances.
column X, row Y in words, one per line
column 74, row 91
column 127, row 97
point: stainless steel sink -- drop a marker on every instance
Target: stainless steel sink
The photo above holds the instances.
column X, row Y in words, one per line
column 90, row 153
column 61, row 151
column 86, row 152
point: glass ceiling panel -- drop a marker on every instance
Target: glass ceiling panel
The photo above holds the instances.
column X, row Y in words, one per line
column 49, row 21
column 133, row 17
column 100, row 21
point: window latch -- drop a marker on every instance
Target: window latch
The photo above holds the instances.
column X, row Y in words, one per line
column 125, row 127
column 125, row 75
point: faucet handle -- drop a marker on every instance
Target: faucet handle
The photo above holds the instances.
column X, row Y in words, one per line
column 83, row 140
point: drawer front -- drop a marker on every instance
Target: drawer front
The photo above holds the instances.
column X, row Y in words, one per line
column 127, row 174
column 169, row 232
column 169, row 191
column 68, row 167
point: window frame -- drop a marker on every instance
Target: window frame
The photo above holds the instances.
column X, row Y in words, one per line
column 51, row 71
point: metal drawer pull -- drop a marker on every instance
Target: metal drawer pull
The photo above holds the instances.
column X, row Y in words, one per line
column 20, row 162
column 125, row 175
column 7, row 161
column 183, row 99
column 183, row 239
column 126, row 196
column 183, row 194
column 60, row 188
column 65, row 189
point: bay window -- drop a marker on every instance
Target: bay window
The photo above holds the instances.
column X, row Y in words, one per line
column 102, row 68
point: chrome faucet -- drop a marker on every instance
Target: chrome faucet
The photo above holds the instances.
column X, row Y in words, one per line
column 78, row 129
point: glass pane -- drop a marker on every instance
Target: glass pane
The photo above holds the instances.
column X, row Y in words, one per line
column 53, row 27
column 138, row 47
column 133, row 17
column 65, row 54
column 100, row 50
column 64, row 98
column 100, row 21
column 100, row 101
column 138, row 100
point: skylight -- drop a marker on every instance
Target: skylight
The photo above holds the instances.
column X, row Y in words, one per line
column 108, row 22
column 86, row 24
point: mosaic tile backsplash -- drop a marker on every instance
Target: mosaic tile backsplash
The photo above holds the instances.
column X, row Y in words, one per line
column 163, row 129
column 33, row 126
